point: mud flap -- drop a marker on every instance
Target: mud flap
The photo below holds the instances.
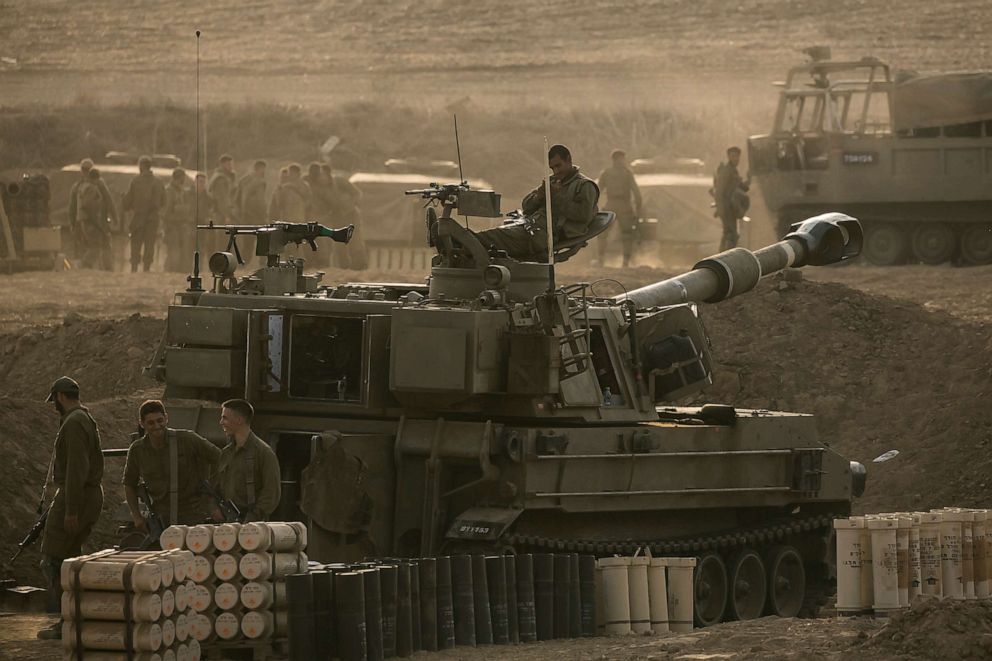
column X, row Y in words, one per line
column 482, row 523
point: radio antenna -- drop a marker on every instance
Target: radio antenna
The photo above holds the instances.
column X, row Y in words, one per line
column 195, row 282
column 458, row 150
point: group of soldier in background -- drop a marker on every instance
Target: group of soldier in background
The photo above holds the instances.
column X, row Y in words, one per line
column 171, row 212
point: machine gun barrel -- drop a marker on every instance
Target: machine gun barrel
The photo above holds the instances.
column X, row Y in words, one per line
column 821, row 240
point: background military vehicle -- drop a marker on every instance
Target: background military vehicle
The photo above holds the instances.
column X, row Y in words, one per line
column 907, row 154
column 490, row 410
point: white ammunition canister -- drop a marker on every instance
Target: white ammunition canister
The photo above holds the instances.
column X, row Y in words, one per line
column 173, row 537
column 195, row 651
column 227, row 596
column 979, row 541
column 201, row 598
column 255, row 536
column 885, row 564
column 182, row 597
column 640, row 602
column 256, row 566
column 94, row 605
column 258, row 595
column 182, row 652
column 658, row 595
column 850, row 564
column 227, row 626
column 226, row 566
column 201, row 627
column 168, row 602
column 288, row 536
column 680, row 593
column 168, row 632
column 145, row 636
column 101, row 574
column 616, row 594
column 182, row 627
column 968, row 553
column 182, row 563
column 226, row 536
column 202, row 569
column 905, row 524
column 951, row 579
column 915, row 576
column 930, row 553
column 169, row 655
column 258, row 624
column 200, row 539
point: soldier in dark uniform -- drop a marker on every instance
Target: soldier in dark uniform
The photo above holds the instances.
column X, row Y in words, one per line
column 574, row 197
column 77, row 469
column 623, row 197
column 145, row 198
column 730, row 192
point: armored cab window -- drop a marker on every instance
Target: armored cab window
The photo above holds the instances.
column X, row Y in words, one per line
column 325, row 358
column 606, row 374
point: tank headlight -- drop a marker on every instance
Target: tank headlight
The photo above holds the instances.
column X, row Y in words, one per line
column 222, row 264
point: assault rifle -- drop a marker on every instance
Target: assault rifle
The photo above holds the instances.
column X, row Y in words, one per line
column 34, row 533
column 230, row 511
column 153, row 520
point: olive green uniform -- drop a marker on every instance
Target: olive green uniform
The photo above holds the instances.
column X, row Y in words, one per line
column 178, row 218
column 196, row 461
column 92, row 244
column 145, row 197
column 623, row 198
column 221, row 189
column 250, row 198
column 727, row 188
column 346, row 209
column 77, row 469
column 573, row 208
column 249, row 477
column 290, row 202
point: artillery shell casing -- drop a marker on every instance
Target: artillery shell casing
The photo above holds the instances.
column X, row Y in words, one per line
column 496, row 577
column 200, row 539
column 562, row 573
column 463, row 599
column 373, row 613
column 587, row 594
column 574, row 597
column 299, row 603
column 201, row 626
column 526, row 618
column 227, row 626
column 202, row 568
column 227, row 596
column 182, row 596
column 168, row 632
column 263, row 624
column 404, row 611
column 200, row 598
column 254, row 536
column 173, row 537
column 349, row 603
column 445, row 605
column 480, row 593
column 428, row 603
column 226, row 536
column 145, row 637
column 182, row 627
column 544, row 595
column 95, row 605
column 168, row 602
column 388, row 586
column 195, row 651
column 108, row 575
column 510, row 569
column 323, row 610
column 226, row 566
column 415, row 631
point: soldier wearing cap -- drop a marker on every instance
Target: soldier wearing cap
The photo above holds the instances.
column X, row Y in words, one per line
column 145, row 197
column 173, row 464
column 76, row 471
column 248, row 469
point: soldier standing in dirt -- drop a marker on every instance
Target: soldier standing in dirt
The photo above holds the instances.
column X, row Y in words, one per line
column 145, row 198
column 573, row 206
column 178, row 217
column 623, row 197
column 346, row 209
column 730, row 192
column 291, row 200
column 221, row 189
column 110, row 209
column 173, row 464
column 250, row 196
column 321, row 203
column 77, row 469
column 248, row 470
column 92, row 222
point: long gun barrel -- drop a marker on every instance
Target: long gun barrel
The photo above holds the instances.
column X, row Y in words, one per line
column 821, row 240
column 33, row 534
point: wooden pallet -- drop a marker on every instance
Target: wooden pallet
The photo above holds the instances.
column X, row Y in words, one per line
column 255, row 650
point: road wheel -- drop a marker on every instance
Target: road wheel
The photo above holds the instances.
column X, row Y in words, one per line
column 786, row 581
column 885, row 244
column 976, row 244
column 710, row 590
column 934, row 243
column 748, row 586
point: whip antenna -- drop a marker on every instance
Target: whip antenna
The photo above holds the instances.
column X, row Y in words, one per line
column 549, row 222
column 458, row 150
column 195, row 282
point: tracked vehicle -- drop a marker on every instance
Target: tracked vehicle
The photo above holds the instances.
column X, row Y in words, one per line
column 490, row 410
column 906, row 154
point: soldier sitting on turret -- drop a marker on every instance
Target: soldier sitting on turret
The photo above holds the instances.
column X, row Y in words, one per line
column 573, row 205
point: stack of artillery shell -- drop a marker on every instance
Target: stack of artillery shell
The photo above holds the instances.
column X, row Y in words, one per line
column 623, row 595
column 237, row 587
column 885, row 560
column 128, row 604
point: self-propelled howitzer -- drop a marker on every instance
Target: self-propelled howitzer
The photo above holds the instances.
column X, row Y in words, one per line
column 487, row 410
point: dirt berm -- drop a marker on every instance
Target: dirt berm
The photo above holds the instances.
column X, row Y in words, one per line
column 878, row 374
